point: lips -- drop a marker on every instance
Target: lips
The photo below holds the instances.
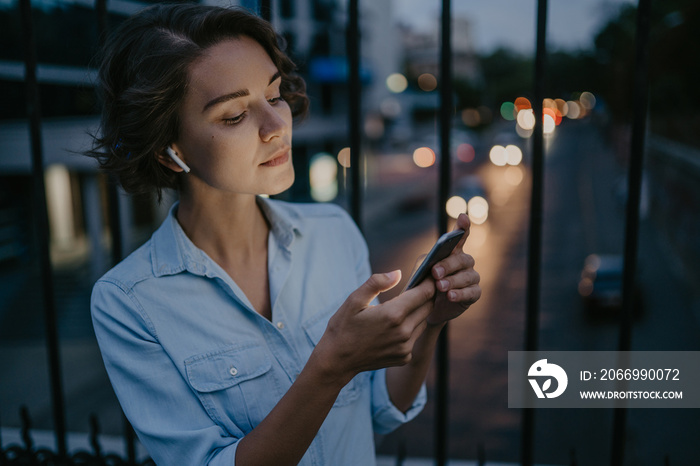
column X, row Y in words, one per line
column 279, row 158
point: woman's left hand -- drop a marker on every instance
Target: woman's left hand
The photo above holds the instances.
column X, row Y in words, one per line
column 456, row 280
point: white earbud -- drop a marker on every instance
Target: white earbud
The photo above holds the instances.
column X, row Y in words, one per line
column 177, row 160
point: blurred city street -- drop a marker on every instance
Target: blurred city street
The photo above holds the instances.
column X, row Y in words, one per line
column 582, row 215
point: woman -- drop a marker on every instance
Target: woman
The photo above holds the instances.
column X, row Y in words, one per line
column 243, row 331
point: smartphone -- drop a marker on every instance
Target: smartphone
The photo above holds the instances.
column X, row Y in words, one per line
column 442, row 248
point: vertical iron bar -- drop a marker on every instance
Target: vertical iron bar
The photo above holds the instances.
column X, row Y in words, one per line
column 130, row 440
column 446, row 113
column 634, row 183
column 42, row 227
column 355, row 99
column 536, row 217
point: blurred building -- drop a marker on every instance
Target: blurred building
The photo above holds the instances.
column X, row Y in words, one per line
column 423, row 51
column 76, row 193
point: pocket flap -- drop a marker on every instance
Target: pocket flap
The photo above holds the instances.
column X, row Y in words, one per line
column 315, row 330
column 227, row 367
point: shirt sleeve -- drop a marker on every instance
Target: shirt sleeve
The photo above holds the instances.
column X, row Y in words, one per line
column 385, row 416
column 165, row 413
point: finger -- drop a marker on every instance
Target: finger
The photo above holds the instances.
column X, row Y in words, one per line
column 461, row 279
column 377, row 283
column 417, row 296
column 410, row 300
column 419, row 315
column 465, row 296
column 463, row 223
column 452, row 264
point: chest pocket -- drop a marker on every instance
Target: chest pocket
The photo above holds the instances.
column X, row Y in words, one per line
column 314, row 328
column 235, row 386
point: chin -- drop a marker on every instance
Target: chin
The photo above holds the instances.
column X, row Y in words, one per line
column 283, row 184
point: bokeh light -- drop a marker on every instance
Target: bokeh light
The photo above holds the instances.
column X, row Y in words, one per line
column 323, row 177
column 508, row 111
column 553, row 113
column 456, row 205
column 344, row 157
column 526, row 119
column 587, row 100
column 397, row 83
column 471, row 117
column 521, row 103
column 424, row 157
column 513, row 154
column 374, row 127
column 574, row 110
column 466, row 152
column 562, row 106
column 390, row 107
column 427, row 82
column 548, row 124
column 478, row 210
column 498, row 156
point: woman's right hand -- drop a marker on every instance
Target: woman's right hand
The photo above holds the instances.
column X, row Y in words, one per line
column 361, row 337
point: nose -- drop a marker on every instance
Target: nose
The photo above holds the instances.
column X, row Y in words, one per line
column 272, row 121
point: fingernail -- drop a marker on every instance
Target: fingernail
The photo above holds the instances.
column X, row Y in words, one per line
column 443, row 285
column 452, row 295
column 440, row 272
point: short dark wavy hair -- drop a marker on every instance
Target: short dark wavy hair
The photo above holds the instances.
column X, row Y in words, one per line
column 143, row 80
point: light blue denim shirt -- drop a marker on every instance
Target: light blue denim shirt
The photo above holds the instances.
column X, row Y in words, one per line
column 195, row 368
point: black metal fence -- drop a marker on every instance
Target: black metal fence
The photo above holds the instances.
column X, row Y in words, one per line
column 27, row 454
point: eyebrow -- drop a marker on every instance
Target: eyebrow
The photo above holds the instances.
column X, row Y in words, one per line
column 236, row 94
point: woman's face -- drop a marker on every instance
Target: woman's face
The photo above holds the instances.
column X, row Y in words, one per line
column 235, row 130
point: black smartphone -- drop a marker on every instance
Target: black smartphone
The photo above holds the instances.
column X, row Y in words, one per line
column 442, row 248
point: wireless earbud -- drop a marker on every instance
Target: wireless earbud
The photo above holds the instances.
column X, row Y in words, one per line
column 176, row 159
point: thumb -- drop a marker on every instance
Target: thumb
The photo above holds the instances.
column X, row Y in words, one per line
column 376, row 284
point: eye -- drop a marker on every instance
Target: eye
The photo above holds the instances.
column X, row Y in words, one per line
column 235, row 120
column 275, row 100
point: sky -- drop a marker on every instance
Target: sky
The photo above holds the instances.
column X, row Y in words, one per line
column 571, row 24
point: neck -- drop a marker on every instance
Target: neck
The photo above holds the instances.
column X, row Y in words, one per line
column 230, row 229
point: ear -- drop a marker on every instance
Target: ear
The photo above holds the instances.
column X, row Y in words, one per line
column 171, row 159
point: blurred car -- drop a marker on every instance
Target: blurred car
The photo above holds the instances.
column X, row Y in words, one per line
column 471, row 189
column 468, row 186
column 600, row 285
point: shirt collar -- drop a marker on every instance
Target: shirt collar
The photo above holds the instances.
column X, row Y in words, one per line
column 173, row 252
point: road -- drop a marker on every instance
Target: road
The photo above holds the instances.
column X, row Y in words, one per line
column 581, row 215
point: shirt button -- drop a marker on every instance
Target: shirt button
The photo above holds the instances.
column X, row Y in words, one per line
column 233, row 371
column 280, row 325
